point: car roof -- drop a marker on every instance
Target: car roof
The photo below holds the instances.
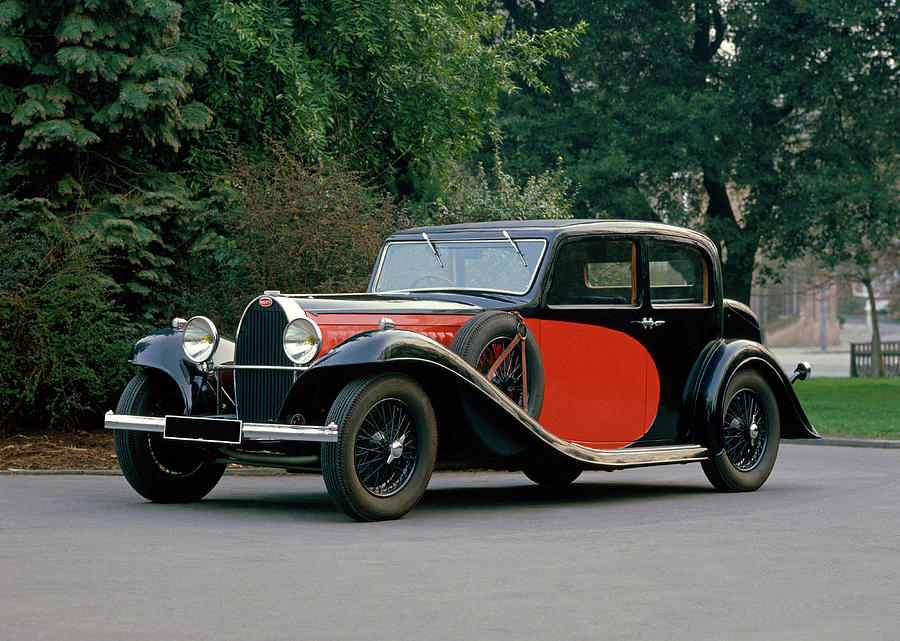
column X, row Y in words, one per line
column 551, row 229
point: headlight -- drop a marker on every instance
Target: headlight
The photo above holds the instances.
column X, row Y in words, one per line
column 199, row 339
column 302, row 340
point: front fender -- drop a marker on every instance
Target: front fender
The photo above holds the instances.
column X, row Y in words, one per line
column 162, row 351
column 715, row 369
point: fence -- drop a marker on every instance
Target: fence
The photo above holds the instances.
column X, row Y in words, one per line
column 861, row 359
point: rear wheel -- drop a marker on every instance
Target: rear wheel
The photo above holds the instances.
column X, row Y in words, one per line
column 387, row 444
column 160, row 470
column 750, row 435
column 551, row 469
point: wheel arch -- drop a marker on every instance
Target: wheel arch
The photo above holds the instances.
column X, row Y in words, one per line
column 716, row 367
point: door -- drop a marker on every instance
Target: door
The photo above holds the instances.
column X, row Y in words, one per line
column 685, row 311
column 599, row 378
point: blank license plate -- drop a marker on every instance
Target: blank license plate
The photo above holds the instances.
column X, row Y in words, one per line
column 205, row 430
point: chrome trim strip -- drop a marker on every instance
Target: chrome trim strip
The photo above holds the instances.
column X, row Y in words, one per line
column 249, row 432
column 289, row 368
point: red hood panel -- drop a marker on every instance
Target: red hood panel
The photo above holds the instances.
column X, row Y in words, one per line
column 336, row 328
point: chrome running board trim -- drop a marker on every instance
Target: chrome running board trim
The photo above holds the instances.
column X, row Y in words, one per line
column 249, row 431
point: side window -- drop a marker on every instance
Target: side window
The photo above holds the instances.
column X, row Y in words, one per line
column 595, row 271
column 678, row 274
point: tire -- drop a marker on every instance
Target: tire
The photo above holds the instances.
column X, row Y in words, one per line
column 481, row 339
column 747, row 460
column 160, row 470
column 551, row 468
column 387, row 444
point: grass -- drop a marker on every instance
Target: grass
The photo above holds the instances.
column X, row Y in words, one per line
column 852, row 407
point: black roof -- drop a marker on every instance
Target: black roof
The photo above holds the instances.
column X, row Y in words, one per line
column 552, row 229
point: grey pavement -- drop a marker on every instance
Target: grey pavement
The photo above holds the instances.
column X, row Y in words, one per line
column 640, row 554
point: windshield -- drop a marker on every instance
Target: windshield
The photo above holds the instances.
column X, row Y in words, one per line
column 484, row 265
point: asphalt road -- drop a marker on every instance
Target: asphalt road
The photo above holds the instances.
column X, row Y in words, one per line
column 640, row 554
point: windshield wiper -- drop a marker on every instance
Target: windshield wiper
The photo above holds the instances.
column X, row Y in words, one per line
column 516, row 247
column 436, row 254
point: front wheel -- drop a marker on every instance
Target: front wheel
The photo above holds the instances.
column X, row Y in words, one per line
column 160, row 470
column 387, row 444
column 750, row 435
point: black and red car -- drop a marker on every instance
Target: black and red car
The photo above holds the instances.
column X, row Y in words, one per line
column 547, row 346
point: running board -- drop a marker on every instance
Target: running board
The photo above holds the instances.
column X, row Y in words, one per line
column 634, row 456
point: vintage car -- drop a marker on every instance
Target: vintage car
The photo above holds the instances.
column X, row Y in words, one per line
column 551, row 347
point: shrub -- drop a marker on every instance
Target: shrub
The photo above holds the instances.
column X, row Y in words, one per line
column 63, row 344
column 286, row 225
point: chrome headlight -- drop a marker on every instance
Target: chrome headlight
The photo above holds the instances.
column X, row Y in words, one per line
column 199, row 339
column 302, row 340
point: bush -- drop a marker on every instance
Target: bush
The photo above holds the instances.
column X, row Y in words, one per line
column 63, row 344
column 473, row 198
column 285, row 225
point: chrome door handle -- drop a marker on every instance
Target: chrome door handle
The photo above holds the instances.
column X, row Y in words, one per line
column 649, row 323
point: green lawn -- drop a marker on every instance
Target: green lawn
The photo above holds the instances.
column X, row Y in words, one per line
column 852, row 407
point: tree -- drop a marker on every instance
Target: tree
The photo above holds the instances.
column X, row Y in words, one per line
column 96, row 103
column 400, row 90
column 700, row 112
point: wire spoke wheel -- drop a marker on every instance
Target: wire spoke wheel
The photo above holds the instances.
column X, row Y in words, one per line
column 745, row 430
column 387, row 443
column 386, row 447
column 508, row 376
column 750, row 432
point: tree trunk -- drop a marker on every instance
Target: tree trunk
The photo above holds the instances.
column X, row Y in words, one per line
column 737, row 246
column 877, row 360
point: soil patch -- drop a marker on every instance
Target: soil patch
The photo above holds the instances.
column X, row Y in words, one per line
column 38, row 449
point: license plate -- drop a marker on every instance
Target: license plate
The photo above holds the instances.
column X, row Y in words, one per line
column 203, row 430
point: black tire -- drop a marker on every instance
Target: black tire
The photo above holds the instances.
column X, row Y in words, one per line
column 160, row 470
column 479, row 341
column 387, row 444
column 750, row 433
column 551, row 468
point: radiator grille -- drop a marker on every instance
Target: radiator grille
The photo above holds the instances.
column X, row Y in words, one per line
column 261, row 393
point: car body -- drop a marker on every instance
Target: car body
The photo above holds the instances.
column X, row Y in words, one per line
column 547, row 346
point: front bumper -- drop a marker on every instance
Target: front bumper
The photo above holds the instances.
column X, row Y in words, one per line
column 249, row 431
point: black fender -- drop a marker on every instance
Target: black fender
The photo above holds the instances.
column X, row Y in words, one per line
column 715, row 368
column 162, row 351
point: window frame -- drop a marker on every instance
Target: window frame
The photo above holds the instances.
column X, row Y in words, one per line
column 708, row 296
column 637, row 261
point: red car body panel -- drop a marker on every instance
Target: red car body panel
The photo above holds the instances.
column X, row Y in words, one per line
column 602, row 387
column 336, row 328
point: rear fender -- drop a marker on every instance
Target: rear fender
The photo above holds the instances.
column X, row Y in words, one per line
column 162, row 351
column 718, row 364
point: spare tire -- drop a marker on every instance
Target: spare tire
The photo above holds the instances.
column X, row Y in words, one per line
column 482, row 339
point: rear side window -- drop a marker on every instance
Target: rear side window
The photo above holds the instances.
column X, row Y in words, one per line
column 595, row 271
column 678, row 274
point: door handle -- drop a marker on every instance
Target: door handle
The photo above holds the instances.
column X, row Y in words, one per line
column 649, row 323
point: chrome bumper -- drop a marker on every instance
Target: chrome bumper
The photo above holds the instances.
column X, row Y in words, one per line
column 249, row 431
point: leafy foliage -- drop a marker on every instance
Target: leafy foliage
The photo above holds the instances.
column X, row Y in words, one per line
column 395, row 87
column 739, row 117
column 474, row 198
column 289, row 226
column 96, row 96
column 63, row 344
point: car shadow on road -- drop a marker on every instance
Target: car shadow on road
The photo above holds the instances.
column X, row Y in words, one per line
column 538, row 496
